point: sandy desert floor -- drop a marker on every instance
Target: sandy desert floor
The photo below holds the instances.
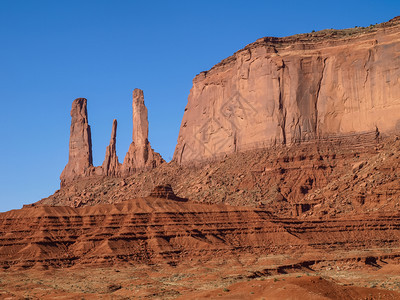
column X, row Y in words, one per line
column 243, row 277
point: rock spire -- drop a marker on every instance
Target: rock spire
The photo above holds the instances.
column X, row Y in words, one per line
column 140, row 154
column 111, row 165
column 80, row 143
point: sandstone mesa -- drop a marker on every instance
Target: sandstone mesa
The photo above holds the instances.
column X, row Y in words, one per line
column 328, row 93
column 287, row 164
column 274, row 91
column 294, row 89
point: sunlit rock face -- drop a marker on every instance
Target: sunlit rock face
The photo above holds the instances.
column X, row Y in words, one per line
column 80, row 143
column 139, row 156
column 295, row 89
column 111, row 166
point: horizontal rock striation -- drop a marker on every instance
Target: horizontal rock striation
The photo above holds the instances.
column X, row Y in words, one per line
column 165, row 192
column 338, row 176
column 295, row 89
column 152, row 230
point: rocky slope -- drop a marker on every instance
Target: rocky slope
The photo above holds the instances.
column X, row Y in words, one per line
column 287, row 164
column 271, row 125
column 154, row 230
column 324, row 179
column 294, row 89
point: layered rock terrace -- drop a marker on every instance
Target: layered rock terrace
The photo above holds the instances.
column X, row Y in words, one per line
column 317, row 189
column 152, row 230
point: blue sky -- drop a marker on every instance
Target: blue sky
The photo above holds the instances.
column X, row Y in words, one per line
column 52, row 52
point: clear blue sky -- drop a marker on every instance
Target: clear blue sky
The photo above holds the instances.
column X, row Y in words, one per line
column 52, row 52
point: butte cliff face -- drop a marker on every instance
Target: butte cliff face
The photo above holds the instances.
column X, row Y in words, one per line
column 294, row 89
column 140, row 154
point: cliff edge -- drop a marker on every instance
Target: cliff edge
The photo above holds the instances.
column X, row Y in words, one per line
column 295, row 89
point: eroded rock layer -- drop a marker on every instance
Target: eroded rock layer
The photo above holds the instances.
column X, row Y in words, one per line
column 160, row 230
column 334, row 177
column 294, row 89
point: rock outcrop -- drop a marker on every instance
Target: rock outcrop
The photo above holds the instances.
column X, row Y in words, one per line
column 341, row 176
column 140, row 154
column 294, row 89
column 165, row 191
column 153, row 230
column 80, row 143
column 111, row 166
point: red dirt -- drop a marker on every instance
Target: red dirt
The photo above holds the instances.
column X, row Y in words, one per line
column 308, row 222
column 300, row 287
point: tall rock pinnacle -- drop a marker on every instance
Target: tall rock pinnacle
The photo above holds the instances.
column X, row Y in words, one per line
column 140, row 154
column 80, row 143
column 111, row 165
column 140, row 128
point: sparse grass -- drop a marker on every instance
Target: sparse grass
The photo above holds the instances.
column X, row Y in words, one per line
column 162, row 283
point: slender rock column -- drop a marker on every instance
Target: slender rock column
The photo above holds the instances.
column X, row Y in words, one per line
column 80, row 143
column 140, row 154
column 111, row 165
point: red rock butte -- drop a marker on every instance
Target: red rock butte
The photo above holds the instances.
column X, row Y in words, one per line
column 287, row 164
column 294, row 89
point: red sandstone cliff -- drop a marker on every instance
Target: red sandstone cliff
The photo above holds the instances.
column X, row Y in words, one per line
column 294, row 89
